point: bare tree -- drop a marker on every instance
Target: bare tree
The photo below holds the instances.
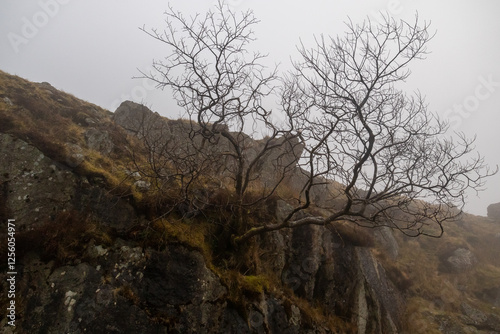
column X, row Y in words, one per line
column 221, row 86
column 391, row 159
column 397, row 166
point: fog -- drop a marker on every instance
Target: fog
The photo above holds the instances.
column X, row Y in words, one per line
column 93, row 49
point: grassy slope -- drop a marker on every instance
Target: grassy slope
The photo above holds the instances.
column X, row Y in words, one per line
column 52, row 120
column 438, row 291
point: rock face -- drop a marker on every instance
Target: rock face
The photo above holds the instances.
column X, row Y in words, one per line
column 179, row 139
column 385, row 237
column 135, row 117
column 473, row 320
column 99, row 140
column 124, row 288
column 142, row 122
column 494, row 211
column 106, row 281
column 93, row 255
column 347, row 280
column 129, row 290
column 36, row 186
column 461, row 260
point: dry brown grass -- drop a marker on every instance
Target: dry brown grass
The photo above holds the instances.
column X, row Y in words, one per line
column 50, row 119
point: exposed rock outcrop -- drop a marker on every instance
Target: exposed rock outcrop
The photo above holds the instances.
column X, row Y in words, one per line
column 461, row 260
column 178, row 137
column 129, row 290
column 347, row 280
column 99, row 140
column 472, row 320
column 93, row 255
column 137, row 118
column 494, row 211
column 121, row 287
column 36, row 186
column 75, row 155
column 385, row 237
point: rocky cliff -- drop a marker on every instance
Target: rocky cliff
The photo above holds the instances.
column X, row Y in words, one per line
column 110, row 283
column 93, row 257
column 494, row 211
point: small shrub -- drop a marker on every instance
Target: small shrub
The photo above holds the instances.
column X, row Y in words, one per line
column 242, row 289
column 254, row 284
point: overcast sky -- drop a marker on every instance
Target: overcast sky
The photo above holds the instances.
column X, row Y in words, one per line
column 93, row 48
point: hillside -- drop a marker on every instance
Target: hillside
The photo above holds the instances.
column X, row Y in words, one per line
column 100, row 248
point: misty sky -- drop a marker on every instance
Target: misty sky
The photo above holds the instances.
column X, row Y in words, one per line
column 92, row 49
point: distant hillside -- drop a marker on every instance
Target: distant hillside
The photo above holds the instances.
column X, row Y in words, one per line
column 100, row 250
